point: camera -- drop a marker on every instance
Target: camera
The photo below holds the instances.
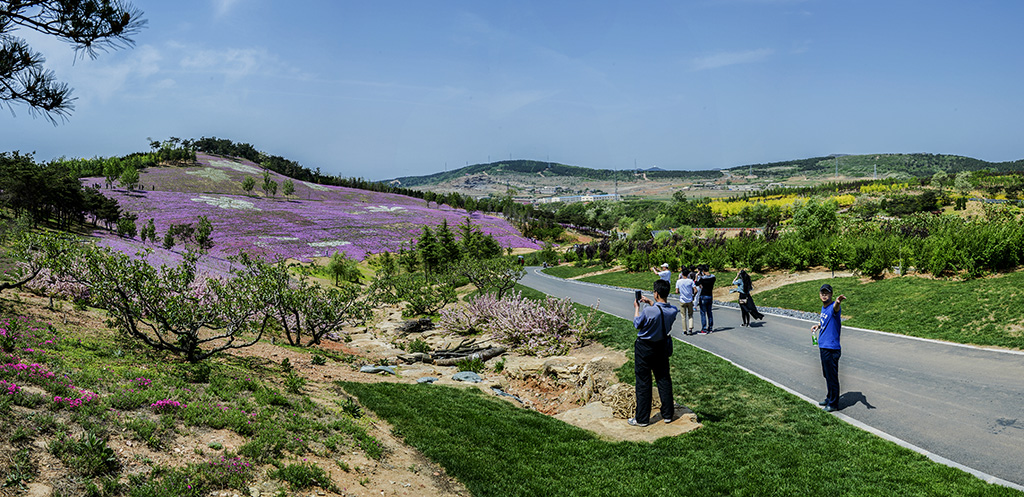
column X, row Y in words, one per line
column 638, row 295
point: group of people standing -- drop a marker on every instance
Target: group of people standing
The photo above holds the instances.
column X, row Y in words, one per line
column 696, row 287
column 653, row 345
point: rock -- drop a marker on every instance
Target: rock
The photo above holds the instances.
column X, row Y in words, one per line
column 427, row 379
column 416, row 325
column 467, row 376
column 377, row 369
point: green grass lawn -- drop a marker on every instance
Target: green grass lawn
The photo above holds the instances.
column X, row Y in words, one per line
column 756, row 440
column 568, row 271
column 983, row 311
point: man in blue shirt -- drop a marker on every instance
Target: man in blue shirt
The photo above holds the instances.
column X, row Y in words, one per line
column 828, row 329
column 651, row 351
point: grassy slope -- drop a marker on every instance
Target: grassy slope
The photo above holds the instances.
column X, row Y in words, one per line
column 567, row 271
column 756, row 440
column 982, row 312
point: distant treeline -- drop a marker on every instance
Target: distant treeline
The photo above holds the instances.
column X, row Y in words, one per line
column 550, row 169
column 901, row 165
column 39, row 193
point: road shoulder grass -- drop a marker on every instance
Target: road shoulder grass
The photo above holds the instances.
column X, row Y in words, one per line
column 983, row 311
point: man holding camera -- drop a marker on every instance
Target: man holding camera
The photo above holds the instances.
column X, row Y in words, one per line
column 651, row 351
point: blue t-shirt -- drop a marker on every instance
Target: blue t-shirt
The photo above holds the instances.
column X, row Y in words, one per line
column 648, row 323
column 830, row 324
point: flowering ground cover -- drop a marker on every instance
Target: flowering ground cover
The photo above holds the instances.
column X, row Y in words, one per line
column 315, row 221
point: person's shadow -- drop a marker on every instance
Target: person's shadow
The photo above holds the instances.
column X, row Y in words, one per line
column 850, row 399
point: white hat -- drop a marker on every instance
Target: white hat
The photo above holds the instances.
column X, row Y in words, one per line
column 664, row 265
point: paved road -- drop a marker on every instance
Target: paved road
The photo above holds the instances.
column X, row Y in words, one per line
column 959, row 405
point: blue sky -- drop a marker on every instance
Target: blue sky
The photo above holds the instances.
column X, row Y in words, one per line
column 391, row 88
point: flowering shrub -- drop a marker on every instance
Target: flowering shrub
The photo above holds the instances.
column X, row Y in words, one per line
column 166, row 405
column 142, row 383
column 25, row 371
column 84, row 397
column 8, row 388
column 548, row 327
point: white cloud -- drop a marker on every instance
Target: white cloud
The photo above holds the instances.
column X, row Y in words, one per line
column 723, row 59
column 223, row 7
column 238, row 63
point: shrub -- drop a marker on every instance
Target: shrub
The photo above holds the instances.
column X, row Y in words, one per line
column 319, row 360
column 89, row 455
column 303, row 476
column 294, row 383
column 548, row 327
column 418, row 346
column 475, row 365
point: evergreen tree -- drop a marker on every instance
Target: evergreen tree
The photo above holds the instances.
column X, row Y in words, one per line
column 288, row 188
column 449, row 247
column 429, row 250
column 248, row 184
column 87, row 25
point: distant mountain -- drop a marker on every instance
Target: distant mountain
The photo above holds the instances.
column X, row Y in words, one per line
column 885, row 165
column 546, row 169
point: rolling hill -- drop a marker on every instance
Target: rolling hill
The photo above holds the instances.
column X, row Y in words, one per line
column 315, row 221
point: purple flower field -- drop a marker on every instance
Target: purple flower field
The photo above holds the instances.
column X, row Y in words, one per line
column 315, row 221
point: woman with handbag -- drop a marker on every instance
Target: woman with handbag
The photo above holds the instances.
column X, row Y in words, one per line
column 747, row 307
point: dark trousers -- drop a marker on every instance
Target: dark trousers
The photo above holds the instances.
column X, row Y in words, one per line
column 830, row 368
column 707, row 320
column 652, row 357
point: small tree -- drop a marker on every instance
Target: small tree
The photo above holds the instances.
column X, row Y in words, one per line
column 269, row 186
column 962, row 183
column 343, row 269
column 288, row 188
column 497, row 275
column 126, row 226
column 170, row 309
column 248, row 184
column 202, row 234
column 168, row 239
column 129, row 178
column 305, row 311
column 149, row 231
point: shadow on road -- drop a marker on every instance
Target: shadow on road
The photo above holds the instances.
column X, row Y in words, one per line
column 850, row 399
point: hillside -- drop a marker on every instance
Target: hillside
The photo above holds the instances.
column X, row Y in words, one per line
column 315, row 221
column 537, row 179
column 514, row 168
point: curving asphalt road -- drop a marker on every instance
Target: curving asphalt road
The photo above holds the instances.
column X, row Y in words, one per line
column 959, row 405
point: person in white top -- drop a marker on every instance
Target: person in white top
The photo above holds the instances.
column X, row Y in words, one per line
column 686, row 288
column 663, row 273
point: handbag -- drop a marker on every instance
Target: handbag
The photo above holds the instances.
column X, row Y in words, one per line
column 743, row 301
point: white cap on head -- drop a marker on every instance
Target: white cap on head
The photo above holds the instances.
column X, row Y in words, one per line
column 664, row 265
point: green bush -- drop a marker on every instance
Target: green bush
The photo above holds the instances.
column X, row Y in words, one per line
column 475, row 365
column 304, row 476
column 88, row 456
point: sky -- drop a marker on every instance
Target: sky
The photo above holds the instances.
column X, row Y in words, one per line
column 386, row 88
